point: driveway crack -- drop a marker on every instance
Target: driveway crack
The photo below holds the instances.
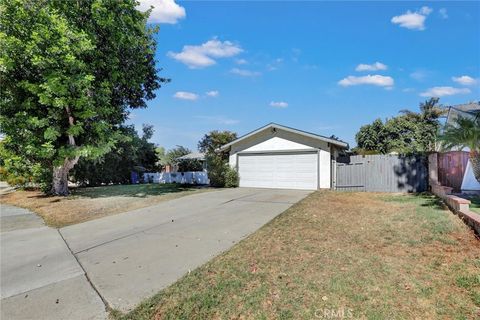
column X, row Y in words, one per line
column 105, row 302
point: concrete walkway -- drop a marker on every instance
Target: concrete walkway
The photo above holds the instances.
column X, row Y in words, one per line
column 40, row 278
column 129, row 257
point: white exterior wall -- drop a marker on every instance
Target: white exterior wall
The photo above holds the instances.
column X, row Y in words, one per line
column 277, row 143
column 232, row 160
column 324, row 168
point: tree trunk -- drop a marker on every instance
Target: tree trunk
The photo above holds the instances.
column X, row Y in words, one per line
column 60, row 177
column 60, row 173
column 475, row 160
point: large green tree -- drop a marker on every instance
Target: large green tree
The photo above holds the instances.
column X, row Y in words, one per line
column 409, row 132
column 69, row 71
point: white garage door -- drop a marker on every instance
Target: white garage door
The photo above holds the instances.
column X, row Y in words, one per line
column 285, row 171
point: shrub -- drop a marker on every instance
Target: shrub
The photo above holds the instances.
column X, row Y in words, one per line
column 189, row 165
column 217, row 168
column 231, row 177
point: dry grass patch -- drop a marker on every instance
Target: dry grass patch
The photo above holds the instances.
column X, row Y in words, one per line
column 91, row 203
column 372, row 256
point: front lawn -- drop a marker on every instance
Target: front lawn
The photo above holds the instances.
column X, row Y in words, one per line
column 91, row 203
column 475, row 205
column 364, row 255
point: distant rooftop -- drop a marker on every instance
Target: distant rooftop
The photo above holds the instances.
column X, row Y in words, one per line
column 193, row 156
column 471, row 109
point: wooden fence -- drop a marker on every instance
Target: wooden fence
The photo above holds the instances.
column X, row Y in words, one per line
column 382, row 173
column 451, row 168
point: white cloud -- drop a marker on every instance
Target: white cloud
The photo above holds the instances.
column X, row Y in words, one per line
column 213, row 93
column 279, row 104
column 444, row 91
column 408, row 89
column 371, row 67
column 275, row 64
column 203, row 55
column 413, row 20
column 418, row 75
column 464, row 80
column 376, row 80
column 425, row 10
column 443, row 13
column 241, row 61
column 218, row 120
column 164, row 11
column 184, row 95
column 245, row 72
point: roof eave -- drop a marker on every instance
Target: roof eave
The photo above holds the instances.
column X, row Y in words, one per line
column 341, row 144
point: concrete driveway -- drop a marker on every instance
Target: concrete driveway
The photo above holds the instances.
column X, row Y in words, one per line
column 129, row 257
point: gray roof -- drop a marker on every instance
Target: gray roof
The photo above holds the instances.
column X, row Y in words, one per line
column 339, row 143
column 470, row 109
column 193, row 156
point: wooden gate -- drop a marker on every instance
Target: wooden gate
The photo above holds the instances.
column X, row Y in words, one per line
column 383, row 173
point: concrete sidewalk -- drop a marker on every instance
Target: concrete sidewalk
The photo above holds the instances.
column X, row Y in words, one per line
column 40, row 278
column 131, row 256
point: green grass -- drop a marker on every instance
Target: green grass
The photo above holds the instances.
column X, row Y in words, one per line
column 376, row 256
column 475, row 205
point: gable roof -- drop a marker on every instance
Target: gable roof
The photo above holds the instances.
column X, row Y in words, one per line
column 193, row 156
column 271, row 125
column 471, row 109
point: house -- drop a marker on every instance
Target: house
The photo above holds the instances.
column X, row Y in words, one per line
column 467, row 110
column 276, row 156
column 199, row 156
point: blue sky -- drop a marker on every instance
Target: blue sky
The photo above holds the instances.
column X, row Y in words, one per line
column 323, row 67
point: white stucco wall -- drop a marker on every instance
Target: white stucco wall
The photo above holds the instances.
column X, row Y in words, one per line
column 278, row 143
column 324, row 169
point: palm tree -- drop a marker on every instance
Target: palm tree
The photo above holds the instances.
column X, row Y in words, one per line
column 465, row 133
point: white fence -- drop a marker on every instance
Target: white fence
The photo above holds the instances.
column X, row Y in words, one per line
column 191, row 177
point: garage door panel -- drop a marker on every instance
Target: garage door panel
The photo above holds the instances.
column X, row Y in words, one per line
column 288, row 171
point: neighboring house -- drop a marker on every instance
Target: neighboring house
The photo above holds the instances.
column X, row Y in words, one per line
column 275, row 156
column 195, row 156
column 471, row 109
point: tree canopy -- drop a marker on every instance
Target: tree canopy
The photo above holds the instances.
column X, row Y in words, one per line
column 69, row 73
column 214, row 140
column 409, row 132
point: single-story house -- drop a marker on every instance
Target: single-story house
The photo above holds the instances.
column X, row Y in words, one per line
column 276, row 156
column 199, row 156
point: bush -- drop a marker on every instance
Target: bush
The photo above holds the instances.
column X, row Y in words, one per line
column 216, row 170
column 189, row 165
column 231, row 177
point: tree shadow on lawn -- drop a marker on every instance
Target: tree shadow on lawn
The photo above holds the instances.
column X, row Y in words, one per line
column 475, row 202
column 426, row 199
column 431, row 200
column 131, row 190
